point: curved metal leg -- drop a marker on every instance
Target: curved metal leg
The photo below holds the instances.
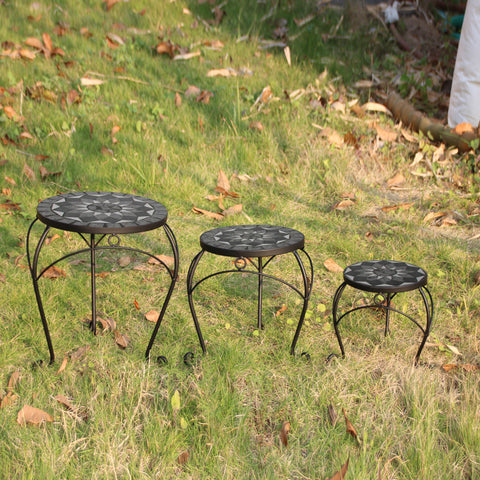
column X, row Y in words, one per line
column 336, row 300
column 429, row 313
column 174, row 246
column 190, row 289
column 307, row 285
column 93, row 323
column 260, row 291
column 33, row 265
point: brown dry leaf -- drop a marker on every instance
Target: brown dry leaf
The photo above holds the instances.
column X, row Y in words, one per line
column 343, row 204
column 33, row 415
column 396, row 180
column 332, row 414
column 121, row 340
column 11, row 113
column 110, row 3
column 48, row 43
column 89, row 82
column 85, row 32
column 108, row 323
column 51, row 239
column 8, row 399
column 64, row 401
column 54, row 272
column 434, row 216
column 26, row 134
column 333, row 137
column 186, row 56
column 44, row 173
column 178, row 100
column 10, row 180
column 137, row 306
column 464, row 129
column 256, row 125
column 350, row 428
column 9, row 205
column 407, row 136
column 265, row 96
column 284, row 433
column 223, row 181
column 400, row 206
column 340, row 475
column 152, row 316
column 166, row 259
column 183, row 457
column 358, row 110
column 107, row 151
column 467, row 367
column 115, row 39
column 29, row 173
column 201, row 211
column 192, row 91
column 12, row 382
column 350, row 139
column 222, row 72
column 215, row 44
column 114, row 131
column 63, row 366
column 35, row 43
column 79, row 353
column 332, row 266
column 73, row 97
column 204, row 97
column 233, row 210
column 386, row 135
column 124, row 261
column 166, row 47
column 281, row 310
column 376, row 107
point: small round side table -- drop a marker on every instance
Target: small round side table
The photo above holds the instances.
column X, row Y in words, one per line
column 99, row 217
column 246, row 243
column 385, row 278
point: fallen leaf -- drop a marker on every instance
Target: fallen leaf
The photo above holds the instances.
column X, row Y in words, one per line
column 288, row 55
column 183, row 457
column 407, row 136
column 124, row 261
column 332, row 266
column 201, row 211
column 340, row 475
column 11, row 181
column 376, row 107
column 204, row 97
column 464, row 128
column 178, row 100
column 110, row 3
column 386, row 135
column 29, row 173
column 152, row 316
column 175, row 401
column 73, row 97
column 343, row 204
column 222, row 72
column 166, row 259
column 137, row 306
column 349, row 426
column 332, row 414
column 63, row 366
column 364, row 84
column 8, row 399
column 47, row 42
column 454, row 349
column 400, row 206
column 89, row 82
column 265, row 96
column 115, row 39
column 79, row 353
column 396, row 180
column 192, row 91
column 233, row 210
column 256, row 125
column 186, row 56
column 107, row 323
column 35, row 43
column 12, row 382
column 284, row 433
column 166, row 47
column 54, row 272
column 121, row 340
column 33, row 415
column 64, row 401
column 281, row 310
column 85, row 32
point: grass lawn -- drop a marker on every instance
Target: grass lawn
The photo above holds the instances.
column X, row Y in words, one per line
column 169, row 99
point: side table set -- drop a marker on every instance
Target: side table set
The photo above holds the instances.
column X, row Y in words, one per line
column 100, row 218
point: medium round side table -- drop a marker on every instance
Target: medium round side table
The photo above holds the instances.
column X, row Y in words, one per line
column 99, row 218
column 246, row 243
column 385, row 278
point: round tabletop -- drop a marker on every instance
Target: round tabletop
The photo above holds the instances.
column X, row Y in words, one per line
column 385, row 276
column 251, row 240
column 101, row 212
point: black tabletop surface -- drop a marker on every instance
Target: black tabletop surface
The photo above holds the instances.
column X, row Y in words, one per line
column 101, row 212
column 251, row 240
column 385, row 276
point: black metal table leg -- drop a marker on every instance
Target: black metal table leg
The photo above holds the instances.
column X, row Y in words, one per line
column 260, row 291
column 174, row 277
column 33, row 266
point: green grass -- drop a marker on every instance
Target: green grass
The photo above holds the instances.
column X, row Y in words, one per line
column 414, row 422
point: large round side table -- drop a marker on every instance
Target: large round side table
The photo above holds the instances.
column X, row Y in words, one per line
column 99, row 218
column 385, row 278
column 253, row 247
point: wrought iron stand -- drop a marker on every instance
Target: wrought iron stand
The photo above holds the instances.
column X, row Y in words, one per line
column 97, row 216
column 386, row 279
column 246, row 243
